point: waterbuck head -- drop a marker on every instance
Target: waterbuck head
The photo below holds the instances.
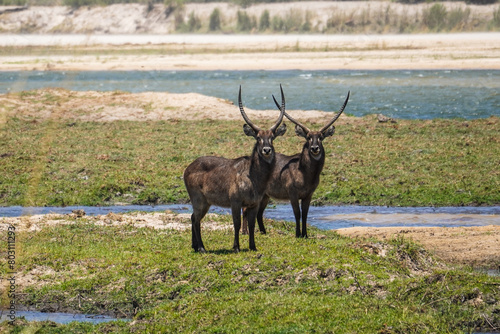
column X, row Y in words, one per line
column 314, row 138
column 264, row 145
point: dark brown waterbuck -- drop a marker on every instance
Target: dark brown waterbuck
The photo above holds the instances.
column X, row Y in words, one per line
column 233, row 183
column 296, row 177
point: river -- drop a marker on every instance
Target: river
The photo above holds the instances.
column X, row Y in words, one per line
column 415, row 94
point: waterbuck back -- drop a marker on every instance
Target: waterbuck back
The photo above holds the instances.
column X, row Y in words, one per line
column 233, row 183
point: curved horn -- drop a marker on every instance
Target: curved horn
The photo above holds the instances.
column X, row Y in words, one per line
column 337, row 115
column 282, row 110
column 306, row 130
column 245, row 117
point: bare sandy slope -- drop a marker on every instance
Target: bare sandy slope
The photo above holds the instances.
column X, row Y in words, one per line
column 477, row 246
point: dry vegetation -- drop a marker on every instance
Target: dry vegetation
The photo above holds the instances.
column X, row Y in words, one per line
column 306, row 17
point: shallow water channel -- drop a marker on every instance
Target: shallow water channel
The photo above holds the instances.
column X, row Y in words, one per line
column 323, row 217
column 61, row 318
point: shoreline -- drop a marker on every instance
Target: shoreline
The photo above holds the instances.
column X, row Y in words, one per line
column 459, row 51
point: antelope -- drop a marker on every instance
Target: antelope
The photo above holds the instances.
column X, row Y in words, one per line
column 296, row 177
column 233, row 183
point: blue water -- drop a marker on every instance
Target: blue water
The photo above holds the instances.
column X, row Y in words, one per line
column 405, row 94
column 62, row 318
column 324, row 217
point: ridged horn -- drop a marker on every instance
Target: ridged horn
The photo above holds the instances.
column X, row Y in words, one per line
column 323, row 129
column 244, row 114
column 282, row 108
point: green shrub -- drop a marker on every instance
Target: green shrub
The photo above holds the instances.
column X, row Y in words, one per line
column 277, row 23
column 245, row 22
column 458, row 18
column 434, row 17
column 293, row 20
column 336, row 22
column 215, row 20
column 496, row 18
column 265, row 20
column 194, row 22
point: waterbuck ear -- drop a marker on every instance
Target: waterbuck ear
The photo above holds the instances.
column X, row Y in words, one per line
column 329, row 132
column 280, row 131
column 249, row 131
column 299, row 131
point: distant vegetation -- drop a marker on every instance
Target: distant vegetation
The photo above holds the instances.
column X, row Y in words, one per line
column 436, row 17
column 243, row 3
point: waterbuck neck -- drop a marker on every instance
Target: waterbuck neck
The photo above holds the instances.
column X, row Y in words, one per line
column 261, row 169
column 310, row 165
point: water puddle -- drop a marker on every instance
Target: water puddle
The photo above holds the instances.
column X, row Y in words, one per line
column 491, row 272
column 61, row 318
column 323, row 217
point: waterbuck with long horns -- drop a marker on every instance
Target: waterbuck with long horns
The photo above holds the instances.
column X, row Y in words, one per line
column 233, row 183
column 296, row 177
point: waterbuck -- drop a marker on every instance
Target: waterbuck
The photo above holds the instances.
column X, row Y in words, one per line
column 296, row 177
column 233, row 183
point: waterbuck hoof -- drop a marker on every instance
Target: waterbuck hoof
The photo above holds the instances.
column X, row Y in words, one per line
column 200, row 250
column 236, row 250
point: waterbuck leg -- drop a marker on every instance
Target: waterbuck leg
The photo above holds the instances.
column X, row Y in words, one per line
column 199, row 211
column 305, row 210
column 252, row 213
column 244, row 226
column 260, row 214
column 296, row 213
column 236, row 212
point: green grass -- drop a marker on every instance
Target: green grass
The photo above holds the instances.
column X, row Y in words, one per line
column 327, row 283
column 411, row 163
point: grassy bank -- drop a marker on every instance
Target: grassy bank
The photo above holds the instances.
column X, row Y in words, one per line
column 326, row 283
column 51, row 162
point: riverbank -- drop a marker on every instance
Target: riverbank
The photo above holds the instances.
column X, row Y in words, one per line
column 249, row 52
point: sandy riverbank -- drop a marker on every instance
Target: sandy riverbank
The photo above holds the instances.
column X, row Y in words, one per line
column 251, row 52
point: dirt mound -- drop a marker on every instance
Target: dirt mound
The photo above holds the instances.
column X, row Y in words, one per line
column 112, row 106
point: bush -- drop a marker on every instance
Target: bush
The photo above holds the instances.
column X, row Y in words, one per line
column 293, row 20
column 458, row 18
column 277, row 23
column 496, row 18
column 435, row 17
column 215, row 21
column 194, row 22
column 265, row 20
column 245, row 22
